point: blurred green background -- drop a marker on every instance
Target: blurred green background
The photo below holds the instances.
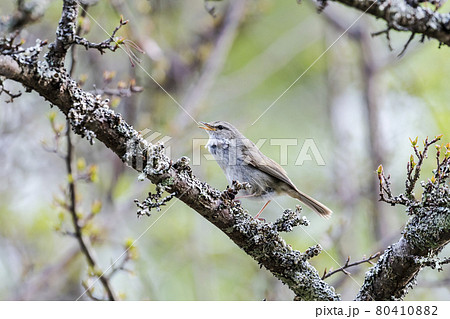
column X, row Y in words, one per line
column 359, row 103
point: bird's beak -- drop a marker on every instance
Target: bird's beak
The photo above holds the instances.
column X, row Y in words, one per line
column 207, row 127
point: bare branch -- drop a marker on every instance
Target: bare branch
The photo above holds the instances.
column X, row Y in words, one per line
column 65, row 34
column 83, row 241
column 388, row 37
column 347, row 265
column 406, row 45
column 111, row 43
column 11, row 95
column 401, row 16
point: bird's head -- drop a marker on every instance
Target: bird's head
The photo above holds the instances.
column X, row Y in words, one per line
column 221, row 130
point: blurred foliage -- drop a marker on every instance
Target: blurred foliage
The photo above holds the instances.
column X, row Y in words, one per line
column 181, row 256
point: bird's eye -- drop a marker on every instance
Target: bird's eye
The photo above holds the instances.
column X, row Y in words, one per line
column 220, row 127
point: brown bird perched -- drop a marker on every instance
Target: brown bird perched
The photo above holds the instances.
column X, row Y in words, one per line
column 242, row 161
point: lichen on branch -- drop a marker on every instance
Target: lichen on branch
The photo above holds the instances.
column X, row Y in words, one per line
column 426, row 232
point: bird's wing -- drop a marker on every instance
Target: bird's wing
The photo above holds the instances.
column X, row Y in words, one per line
column 260, row 161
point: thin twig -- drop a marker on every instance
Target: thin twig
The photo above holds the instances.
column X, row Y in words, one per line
column 84, row 242
column 348, row 265
column 414, row 169
column 406, row 44
column 111, row 43
column 11, row 95
column 388, row 37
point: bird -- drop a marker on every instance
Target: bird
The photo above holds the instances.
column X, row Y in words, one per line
column 242, row 161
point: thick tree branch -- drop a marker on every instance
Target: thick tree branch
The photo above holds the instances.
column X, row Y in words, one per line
column 65, row 34
column 401, row 16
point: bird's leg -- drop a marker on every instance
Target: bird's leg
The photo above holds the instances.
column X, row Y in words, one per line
column 244, row 196
column 257, row 215
column 237, row 198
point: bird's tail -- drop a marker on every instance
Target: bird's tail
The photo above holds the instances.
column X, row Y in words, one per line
column 315, row 205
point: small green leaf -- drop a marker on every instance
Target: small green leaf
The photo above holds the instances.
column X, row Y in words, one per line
column 129, row 243
column 380, row 169
column 52, row 116
column 96, row 207
column 414, row 142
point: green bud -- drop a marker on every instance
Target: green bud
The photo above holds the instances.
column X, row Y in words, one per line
column 81, row 164
column 380, row 169
column 96, row 207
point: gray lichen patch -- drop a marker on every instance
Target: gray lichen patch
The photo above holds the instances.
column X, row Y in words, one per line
column 144, row 156
column 425, row 230
column 25, row 56
column 157, row 162
column 153, row 201
column 64, row 34
column 83, row 106
column 290, row 219
column 430, row 217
